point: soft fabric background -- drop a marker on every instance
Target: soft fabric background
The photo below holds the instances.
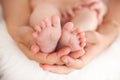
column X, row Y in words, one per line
column 15, row 66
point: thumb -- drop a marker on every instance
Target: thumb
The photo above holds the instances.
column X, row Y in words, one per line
column 91, row 36
column 64, row 51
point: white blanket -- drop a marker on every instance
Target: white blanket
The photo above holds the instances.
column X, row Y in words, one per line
column 14, row 65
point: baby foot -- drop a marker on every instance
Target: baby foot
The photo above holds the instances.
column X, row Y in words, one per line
column 72, row 39
column 47, row 35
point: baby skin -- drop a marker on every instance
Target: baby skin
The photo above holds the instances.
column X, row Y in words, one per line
column 72, row 38
column 86, row 15
column 48, row 34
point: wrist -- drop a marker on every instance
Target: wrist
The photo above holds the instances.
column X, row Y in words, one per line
column 109, row 27
column 110, row 30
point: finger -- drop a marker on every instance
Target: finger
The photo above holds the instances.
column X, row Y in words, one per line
column 57, row 69
column 35, row 48
column 52, row 58
column 45, row 58
column 91, row 37
column 64, row 51
column 56, row 57
column 73, row 63
column 91, row 53
column 77, row 54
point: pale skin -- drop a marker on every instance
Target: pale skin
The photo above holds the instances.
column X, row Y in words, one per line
column 17, row 21
column 47, row 36
column 48, row 29
column 22, row 33
column 49, row 33
column 106, row 33
column 103, row 38
column 89, row 15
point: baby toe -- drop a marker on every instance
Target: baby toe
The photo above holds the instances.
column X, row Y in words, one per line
column 55, row 21
column 68, row 26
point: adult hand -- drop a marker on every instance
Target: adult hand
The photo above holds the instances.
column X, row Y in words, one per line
column 25, row 40
column 44, row 58
column 95, row 45
column 52, row 58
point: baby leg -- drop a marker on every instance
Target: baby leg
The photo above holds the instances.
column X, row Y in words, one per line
column 47, row 28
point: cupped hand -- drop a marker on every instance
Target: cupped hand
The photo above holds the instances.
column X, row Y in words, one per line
column 44, row 58
column 95, row 45
column 25, row 40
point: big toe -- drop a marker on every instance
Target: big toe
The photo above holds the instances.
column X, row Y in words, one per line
column 68, row 26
